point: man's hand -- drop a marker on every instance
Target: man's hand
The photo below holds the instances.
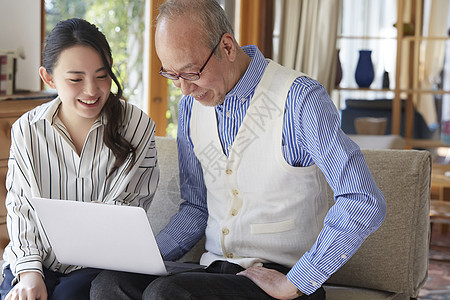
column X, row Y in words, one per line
column 30, row 286
column 272, row 282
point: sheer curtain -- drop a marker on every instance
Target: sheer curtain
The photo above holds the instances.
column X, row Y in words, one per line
column 435, row 16
column 446, row 82
column 308, row 38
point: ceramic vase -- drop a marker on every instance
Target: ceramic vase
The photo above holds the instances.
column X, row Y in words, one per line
column 386, row 81
column 338, row 76
column 364, row 74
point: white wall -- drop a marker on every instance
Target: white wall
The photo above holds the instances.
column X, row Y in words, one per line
column 20, row 25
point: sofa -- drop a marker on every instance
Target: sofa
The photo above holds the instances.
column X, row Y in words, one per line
column 391, row 264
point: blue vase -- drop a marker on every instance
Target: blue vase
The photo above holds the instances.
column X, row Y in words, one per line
column 364, row 74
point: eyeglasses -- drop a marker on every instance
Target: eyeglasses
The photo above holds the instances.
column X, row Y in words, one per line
column 188, row 76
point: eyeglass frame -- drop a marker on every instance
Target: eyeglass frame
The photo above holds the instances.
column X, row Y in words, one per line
column 174, row 76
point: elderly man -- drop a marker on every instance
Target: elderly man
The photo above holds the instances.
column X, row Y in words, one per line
column 257, row 143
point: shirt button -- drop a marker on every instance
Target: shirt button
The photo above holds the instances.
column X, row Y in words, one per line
column 225, row 231
column 234, row 212
column 343, row 256
column 314, row 283
column 243, row 100
column 228, row 171
column 228, row 113
column 229, row 255
column 235, row 192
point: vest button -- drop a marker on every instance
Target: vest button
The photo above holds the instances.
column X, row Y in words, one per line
column 229, row 255
column 228, row 172
column 234, row 212
column 225, row 231
column 235, row 192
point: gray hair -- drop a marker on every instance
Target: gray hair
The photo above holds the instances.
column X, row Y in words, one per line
column 207, row 13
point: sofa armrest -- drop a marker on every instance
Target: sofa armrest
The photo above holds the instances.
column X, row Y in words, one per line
column 395, row 257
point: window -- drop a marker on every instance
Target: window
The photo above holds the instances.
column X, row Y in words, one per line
column 122, row 22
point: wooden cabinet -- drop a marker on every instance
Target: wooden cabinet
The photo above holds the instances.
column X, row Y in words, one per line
column 10, row 111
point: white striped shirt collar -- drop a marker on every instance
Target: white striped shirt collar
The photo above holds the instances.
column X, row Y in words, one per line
column 247, row 84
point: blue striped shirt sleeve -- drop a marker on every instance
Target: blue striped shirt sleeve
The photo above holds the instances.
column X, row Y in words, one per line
column 187, row 226
column 359, row 207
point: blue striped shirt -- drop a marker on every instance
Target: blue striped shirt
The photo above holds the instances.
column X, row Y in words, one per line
column 311, row 135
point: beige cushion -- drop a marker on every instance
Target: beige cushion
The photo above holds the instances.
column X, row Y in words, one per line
column 167, row 198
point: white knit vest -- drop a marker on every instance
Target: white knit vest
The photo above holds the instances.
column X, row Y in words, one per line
column 261, row 209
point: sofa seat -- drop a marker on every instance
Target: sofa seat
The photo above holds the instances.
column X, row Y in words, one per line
column 334, row 292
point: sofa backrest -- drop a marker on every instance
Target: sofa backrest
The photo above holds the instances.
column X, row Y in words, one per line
column 394, row 258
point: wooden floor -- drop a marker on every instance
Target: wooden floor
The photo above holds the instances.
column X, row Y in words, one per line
column 438, row 285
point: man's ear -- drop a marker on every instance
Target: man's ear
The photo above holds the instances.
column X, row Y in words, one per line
column 46, row 77
column 230, row 48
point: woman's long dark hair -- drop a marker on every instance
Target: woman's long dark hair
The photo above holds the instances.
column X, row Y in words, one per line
column 75, row 32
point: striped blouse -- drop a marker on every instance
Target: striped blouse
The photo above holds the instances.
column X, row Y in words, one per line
column 311, row 135
column 43, row 162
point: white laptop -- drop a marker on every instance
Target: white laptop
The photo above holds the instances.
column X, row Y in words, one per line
column 103, row 236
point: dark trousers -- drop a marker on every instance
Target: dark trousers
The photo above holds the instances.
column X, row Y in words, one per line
column 218, row 281
column 75, row 285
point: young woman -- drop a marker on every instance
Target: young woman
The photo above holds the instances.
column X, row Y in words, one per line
column 85, row 145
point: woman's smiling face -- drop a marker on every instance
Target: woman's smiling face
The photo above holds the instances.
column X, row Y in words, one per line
column 82, row 82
